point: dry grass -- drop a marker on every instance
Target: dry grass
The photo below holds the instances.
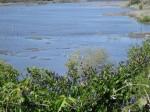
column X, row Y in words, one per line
column 117, row 14
column 139, row 35
column 6, row 4
column 103, row 5
column 141, row 13
column 137, row 13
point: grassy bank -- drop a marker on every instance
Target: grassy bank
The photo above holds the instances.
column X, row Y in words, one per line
column 142, row 10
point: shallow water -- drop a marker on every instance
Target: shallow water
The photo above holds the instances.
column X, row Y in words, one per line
column 45, row 35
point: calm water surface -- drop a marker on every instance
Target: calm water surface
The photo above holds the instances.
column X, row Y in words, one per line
column 45, row 35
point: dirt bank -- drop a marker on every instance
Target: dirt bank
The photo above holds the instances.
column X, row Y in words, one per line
column 137, row 13
column 6, row 4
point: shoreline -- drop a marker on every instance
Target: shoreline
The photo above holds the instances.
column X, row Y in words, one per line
column 136, row 13
column 6, row 4
column 26, row 3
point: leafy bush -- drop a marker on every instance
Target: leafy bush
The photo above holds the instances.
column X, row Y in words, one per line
column 144, row 19
column 7, row 74
column 104, row 89
column 140, row 6
column 87, row 58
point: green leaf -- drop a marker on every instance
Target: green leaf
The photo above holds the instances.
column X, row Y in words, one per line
column 62, row 103
column 21, row 100
column 142, row 102
column 72, row 99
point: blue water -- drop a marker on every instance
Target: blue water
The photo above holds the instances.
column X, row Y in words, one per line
column 63, row 29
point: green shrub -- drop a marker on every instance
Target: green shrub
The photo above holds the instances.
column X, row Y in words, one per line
column 87, row 58
column 7, row 74
column 140, row 7
column 144, row 19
